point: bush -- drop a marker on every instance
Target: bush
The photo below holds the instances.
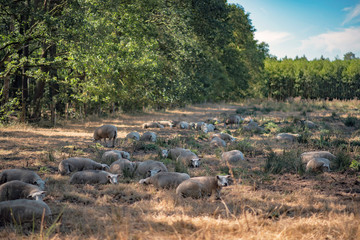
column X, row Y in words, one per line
column 350, row 121
column 283, row 163
column 342, row 161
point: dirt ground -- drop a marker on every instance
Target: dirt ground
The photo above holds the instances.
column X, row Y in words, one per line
column 257, row 206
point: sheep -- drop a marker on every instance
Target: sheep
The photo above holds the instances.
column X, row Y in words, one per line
column 183, row 125
column 149, row 168
column 106, row 131
column 93, row 177
column 233, row 156
column 152, row 125
column 224, row 136
column 19, row 190
column 148, row 136
column 23, row 210
column 23, row 175
column 290, row 137
column 308, row 124
column 133, row 135
column 123, row 167
column 174, row 153
column 188, row 158
column 197, row 125
column 114, row 155
column 166, row 123
column 198, row 187
column 252, row 127
column 233, row 119
column 217, row 142
column 165, row 179
column 307, row 156
column 207, row 128
column 75, row 164
column 318, row 164
column 213, row 120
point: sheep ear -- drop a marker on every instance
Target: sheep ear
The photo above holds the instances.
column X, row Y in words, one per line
column 36, row 194
column 217, row 177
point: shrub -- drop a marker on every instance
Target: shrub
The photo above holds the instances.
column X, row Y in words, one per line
column 282, row 163
column 342, row 161
column 350, row 121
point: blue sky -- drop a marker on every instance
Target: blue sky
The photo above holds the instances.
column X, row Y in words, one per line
column 314, row 28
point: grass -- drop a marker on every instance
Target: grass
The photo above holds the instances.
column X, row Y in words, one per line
column 271, row 199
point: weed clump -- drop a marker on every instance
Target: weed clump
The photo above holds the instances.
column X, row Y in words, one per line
column 286, row 162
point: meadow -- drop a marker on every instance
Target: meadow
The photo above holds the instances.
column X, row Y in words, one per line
column 272, row 197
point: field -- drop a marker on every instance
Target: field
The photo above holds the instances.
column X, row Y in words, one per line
column 271, row 197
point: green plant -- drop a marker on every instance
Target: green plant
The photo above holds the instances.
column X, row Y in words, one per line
column 180, row 167
column 350, row 121
column 287, row 161
column 355, row 165
column 342, row 161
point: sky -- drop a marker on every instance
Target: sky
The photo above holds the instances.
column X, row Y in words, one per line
column 314, row 28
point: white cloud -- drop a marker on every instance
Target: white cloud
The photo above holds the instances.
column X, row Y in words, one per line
column 346, row 40
column 273, row 38
column 354, row 12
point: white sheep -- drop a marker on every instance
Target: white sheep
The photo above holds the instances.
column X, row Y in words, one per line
column 199, row 187
column 133, row 135
column 93, row 177
column 152, row 125
column 19, row 190
column 197, row 125
column 123, row 167
column 307, row 156
column 289, row 137
column 224, row 136
column 23, row 210
column 308, row 124
column 75, row 164
column 23, row 175
column 188, row 158
column 233, row 156
column 165, row 179
column 206, row 128
column 106, row 131
column 149, row 168
column 233, row 119
column 318, row 165
column 172, row 153
column 217, row 142
column 148, row 136
column 183, row 125
column 114, row 155
column 166, row 123
column 252, row 126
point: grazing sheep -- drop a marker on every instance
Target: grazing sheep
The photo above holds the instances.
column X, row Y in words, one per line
column 217, row 142
column 148, row 136
column 234, row 119
column 133, row 135
column 184, row 125
column 152, row 125
column 149, row 168
column 166, row 123
column 188, row 158
column 199, row 187
column 75, row 164
column 23, row 175
column 318, row 164
column 106, row 131
column 307, row 156
column 23, row 210
column 289, row 137
column 165, row 179
column 123, row 167
column 207, row 128
column 93, row 177
column 19, row 190
column 224, row 136
column 233, row 156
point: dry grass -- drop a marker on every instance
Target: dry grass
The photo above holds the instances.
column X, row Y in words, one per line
column 258, row 206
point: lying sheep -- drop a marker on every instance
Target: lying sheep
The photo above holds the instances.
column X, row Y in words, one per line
column 19, row 190
column 289, row 137
column 149, row 168
column 184, row 125
column 106, row 131
column 224, row 136
column 166, row 123
column 172, row 153
column 133, row 135
column 234, row 119
column 93, row 177
column 307, row 156
column 199, row 187
column 148, row 136
column 188, row 158
column 23, row 175
column 308, row 124
column 197, row 125
column 217, row 142
column 318, row 165
column 165, row 179
column 152, row 125
column 23, row 210
column 252, row 127
column 206, row 128
column 233, row 156
column 75, row 164
column 123, row 167
column 114, row 155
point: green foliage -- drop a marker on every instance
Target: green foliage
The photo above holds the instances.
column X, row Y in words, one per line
column 351, row 121
column 342, row 161
column 355, row 165
column 286, row 162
